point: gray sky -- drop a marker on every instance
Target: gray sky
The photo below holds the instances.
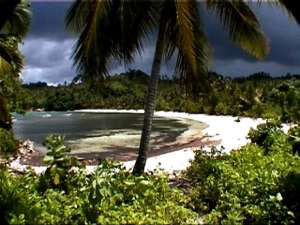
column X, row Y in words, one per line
column 48, row 47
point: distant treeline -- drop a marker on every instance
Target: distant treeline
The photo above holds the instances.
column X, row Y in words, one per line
column 257, row 95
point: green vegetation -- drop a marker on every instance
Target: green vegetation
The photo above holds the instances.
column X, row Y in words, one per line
column 59, row 164
column 257, row 184
column 67, row 195
column 257, row 95
column 8, row 144
column 14, row 23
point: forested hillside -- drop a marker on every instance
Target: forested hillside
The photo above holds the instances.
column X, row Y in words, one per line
column 258, row 95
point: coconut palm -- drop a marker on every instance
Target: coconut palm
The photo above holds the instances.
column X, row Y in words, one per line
column 14, row 23
column 115, row 30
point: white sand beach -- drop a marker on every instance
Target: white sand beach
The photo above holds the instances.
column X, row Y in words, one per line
column 225, row 129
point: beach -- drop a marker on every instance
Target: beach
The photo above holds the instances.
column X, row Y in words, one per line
column 224, row 130
column 227, row 132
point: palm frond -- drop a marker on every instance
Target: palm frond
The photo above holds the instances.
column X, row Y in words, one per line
column 113, row 30
column 7, row 8
column 138, row 22
column 241, row 24
column 18, row 20
column 83, row 17
column 11, row 59
column 77, row 16
column 185, row 36
column 14, row 23
column 5, row 67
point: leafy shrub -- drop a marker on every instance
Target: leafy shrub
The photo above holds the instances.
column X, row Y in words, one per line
column 111, row 195
column 116, row 196
column 9, row 198
column 162, row 104
column 8, row 143
column 191, row 106
column 290, row 186
column 249, row 186
column 270, row 137
column 22, row 203
column 59, row 164
column 15, row 200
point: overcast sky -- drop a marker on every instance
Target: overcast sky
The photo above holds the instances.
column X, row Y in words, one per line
column 48, row 47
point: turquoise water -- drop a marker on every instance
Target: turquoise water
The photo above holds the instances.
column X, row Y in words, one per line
column 78, row 127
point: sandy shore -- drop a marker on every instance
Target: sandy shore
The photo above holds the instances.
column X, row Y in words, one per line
column 225, row 129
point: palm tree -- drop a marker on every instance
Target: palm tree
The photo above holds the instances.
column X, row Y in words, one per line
column 115, row 30
column 14, row 23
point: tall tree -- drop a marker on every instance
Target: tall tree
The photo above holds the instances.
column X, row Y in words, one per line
column 115, row 30
column 14, row 23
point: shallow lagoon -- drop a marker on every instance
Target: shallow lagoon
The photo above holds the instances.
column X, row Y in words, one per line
column 96, row 132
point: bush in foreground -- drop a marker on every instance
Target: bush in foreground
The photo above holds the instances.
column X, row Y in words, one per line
column 258, row 184
column 67, row 195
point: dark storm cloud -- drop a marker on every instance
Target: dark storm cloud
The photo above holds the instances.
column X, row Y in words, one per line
column 46, row 74
column 282, row 32
column 48, row 60
column 48, row 20
column 48, row 46
column 49, row 53
column 219, row 39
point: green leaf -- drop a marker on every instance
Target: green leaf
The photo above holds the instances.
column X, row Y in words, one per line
column 145, row 182
column 129, row 183
column 56, row 179
column 48, row 158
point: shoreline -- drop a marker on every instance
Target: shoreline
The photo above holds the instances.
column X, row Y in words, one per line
column 221, row 129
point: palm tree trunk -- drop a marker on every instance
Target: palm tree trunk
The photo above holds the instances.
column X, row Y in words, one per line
column 150, row 104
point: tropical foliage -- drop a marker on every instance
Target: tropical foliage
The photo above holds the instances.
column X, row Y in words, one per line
column 110, row 195
column 258, row 95
column 14, row 23
column 257, row 184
